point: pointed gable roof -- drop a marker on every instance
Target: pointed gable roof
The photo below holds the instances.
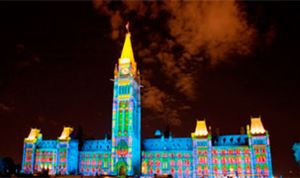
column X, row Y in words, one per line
column 201, row 129
column 256, row 126
column 34, row 135
column 66, row 133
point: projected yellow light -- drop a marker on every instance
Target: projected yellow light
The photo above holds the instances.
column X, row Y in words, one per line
column 201, row 129
column 257, row 126
column 65, row 135
column 124, row 61
column 33, row 135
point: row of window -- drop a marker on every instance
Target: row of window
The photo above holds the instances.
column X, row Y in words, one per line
column 167, row 162
column 93, row 171
column 94, row 162
column 43, row 159
column 45, row 153
column 172, row 171
column 94, row 155
column 166, row 155
column 230, row 151
column 231, row 160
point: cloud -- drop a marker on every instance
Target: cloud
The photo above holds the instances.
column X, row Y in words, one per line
column 160, row 102
column 43, row 120
column 26, row 58
column 178, row 37
column 212, row 26
column 174, row 70
column 154, row 98
column 5, row 108
column 116, row 22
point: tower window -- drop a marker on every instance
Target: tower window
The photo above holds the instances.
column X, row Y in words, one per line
column 124, row 89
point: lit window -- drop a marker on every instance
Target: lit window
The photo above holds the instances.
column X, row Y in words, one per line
column 187, row 163
column 151, row 171
column 215, row 161
column 157, row 170
column 216, row 169
column 144, row 167
column 157, row 163
column 187, row 171
column 180, row 171
column 165, row 165
column 172, row 163
column 179, row 163
column 199, row 169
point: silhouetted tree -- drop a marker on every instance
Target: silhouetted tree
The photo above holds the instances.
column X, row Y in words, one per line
column 7, row 166
column 167, row 131
column 80, row 137
column 296, row 149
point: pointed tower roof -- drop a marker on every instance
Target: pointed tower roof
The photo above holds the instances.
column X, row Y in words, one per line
column 65, row 135
column 201, row 129
column 34, row 135
column 127, row 52
column 257, row 126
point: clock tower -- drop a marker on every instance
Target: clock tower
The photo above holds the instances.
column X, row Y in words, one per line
column 126, row 116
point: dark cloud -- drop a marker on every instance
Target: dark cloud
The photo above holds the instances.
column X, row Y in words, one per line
column 5, row 108
column 26, row 58
column 189, row 33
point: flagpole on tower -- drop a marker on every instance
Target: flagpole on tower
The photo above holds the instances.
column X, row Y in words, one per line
column 127, row 26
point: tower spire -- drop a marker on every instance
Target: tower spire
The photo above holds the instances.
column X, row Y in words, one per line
column 127, row 27
column 127, row 52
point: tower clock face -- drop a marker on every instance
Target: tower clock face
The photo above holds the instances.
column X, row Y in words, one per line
column 125, row 71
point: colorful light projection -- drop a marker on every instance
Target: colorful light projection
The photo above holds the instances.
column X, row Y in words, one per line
column 257, row 126
column 29, row 148
column 51, row 156
column 201, row 150
column 45, row 160
column 27, row 163
column 62, row 165
column 94, row 163
column 234, row 161
column 201, row 155
column 66, row 133
column 260, row 148
column 175, row 163
column 126, row 129
column 33, row 136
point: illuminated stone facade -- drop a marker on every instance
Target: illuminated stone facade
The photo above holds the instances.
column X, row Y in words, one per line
column 201, row 155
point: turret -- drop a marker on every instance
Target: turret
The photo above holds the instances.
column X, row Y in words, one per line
column 202, row 146
column 67, row 157
column 201, row 130
column 30, row 143
column 126, row 119
column 259, row 143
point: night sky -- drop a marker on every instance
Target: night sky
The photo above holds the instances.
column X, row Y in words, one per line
column 57, row 59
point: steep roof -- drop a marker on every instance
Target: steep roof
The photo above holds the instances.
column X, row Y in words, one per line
column 34, row 135
column 201, row 129
column 65, row 135
column 256, row 126
column 127, row 55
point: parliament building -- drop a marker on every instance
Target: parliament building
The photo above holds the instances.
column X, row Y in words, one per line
column 126, row 153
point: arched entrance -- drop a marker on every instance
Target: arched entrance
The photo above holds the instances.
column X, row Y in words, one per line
column 121, row 168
